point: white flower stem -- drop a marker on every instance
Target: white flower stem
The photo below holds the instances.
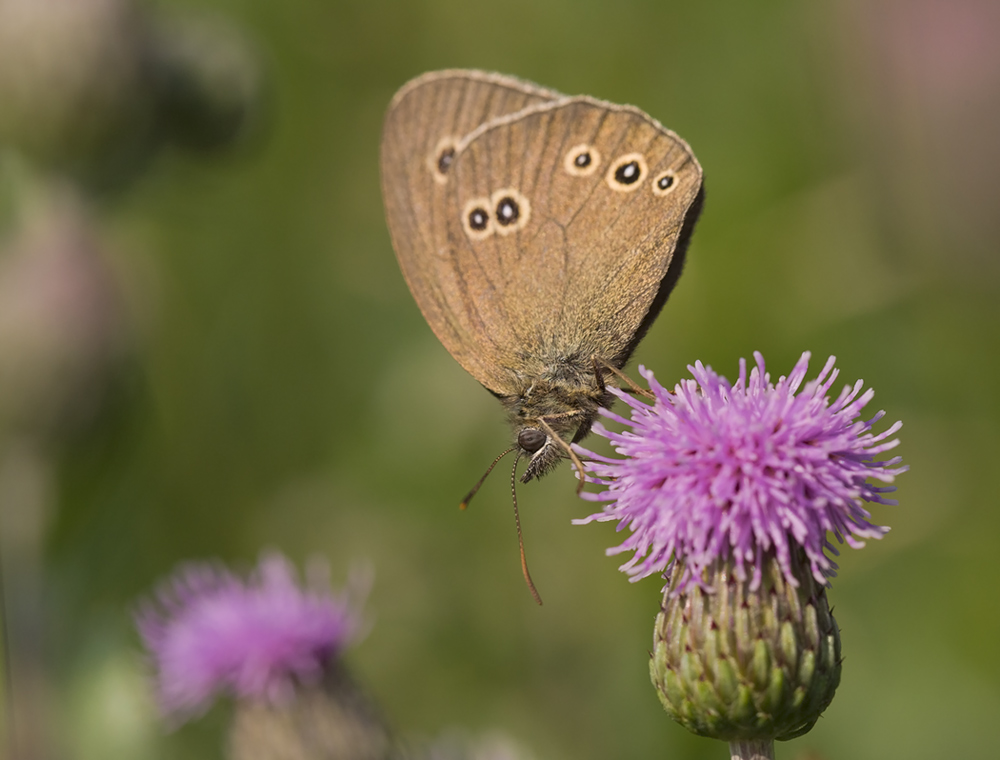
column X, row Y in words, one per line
column 752, row 750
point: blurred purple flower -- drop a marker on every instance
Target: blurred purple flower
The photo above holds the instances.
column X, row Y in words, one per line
column 734, row 471
column 211, row 632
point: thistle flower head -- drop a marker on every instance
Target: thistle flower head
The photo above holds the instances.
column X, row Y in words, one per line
column 732, row 471
column 211, row 632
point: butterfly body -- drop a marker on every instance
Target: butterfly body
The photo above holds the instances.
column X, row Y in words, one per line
column 566, row 403
column 540, row 235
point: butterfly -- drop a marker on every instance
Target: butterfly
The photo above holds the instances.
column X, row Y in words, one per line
column 540, row 235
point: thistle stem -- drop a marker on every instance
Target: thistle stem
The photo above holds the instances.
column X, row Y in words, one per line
column 753, row 749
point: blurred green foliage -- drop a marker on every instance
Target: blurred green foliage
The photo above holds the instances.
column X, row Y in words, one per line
column 287, row 393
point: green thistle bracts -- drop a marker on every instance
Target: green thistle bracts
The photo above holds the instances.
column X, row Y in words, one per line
column 741, row 664
column 330, row 720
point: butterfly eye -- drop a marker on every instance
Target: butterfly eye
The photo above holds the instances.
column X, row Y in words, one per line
column 664, row 182
column 476, row 219
column 626, row 174
column 531, row 439
column 511, row 210
column 441, row 158
column 581, row 160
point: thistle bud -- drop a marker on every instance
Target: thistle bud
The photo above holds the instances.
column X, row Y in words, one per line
column 330, row 720
column 73, row 78
column 738, row 663
column 209, row 82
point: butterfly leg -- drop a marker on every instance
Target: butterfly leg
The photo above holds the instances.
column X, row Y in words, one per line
column 601, row 366
column 569, row 449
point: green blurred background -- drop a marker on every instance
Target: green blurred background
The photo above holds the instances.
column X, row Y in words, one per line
column 284, row 391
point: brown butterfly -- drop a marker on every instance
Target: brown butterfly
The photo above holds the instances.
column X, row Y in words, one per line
column 540, row 235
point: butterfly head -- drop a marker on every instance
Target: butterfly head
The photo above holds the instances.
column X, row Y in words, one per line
column 545, row 442
column 552, row 412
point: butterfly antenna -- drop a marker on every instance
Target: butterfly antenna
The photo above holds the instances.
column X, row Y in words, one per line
column 520, row 538
column 468, row 497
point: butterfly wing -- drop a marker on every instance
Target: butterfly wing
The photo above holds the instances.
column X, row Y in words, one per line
column 604, row 196
column 427, row 120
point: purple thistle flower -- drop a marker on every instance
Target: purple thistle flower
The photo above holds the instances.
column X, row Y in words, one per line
column 211, row 632
column 734, row 471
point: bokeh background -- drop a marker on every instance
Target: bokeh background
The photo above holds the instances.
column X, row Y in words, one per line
column 271, row 382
